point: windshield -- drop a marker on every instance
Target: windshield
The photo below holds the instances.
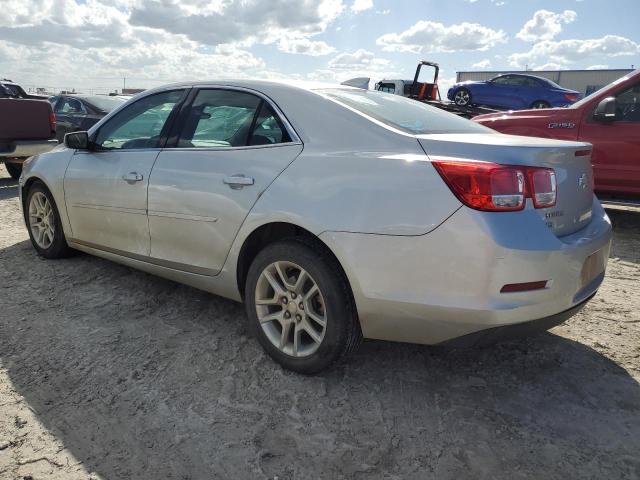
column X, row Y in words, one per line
column 105, row 103
column 409, row 116
column 588, row 98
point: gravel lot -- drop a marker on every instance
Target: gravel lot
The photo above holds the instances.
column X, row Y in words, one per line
column 109, row 373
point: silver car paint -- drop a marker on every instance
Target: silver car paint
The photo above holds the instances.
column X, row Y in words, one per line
column 410, row 251
column 104, row 209
column 193, row 215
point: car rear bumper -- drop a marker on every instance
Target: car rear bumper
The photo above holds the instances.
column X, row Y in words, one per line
column 516, row 330
column 22, row 149
column 446, row 284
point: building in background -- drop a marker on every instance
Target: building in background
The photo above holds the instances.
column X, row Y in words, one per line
column 583, row 81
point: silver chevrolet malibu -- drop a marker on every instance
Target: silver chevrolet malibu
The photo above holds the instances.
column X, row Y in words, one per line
column 335, row 213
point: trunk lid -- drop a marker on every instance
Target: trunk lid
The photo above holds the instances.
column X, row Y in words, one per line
column 574, row 175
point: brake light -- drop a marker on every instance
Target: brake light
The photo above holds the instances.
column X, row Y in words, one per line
column 542, row 183
column 52, row 121
column 485, row 186
column 493, row 187
column 571, row 97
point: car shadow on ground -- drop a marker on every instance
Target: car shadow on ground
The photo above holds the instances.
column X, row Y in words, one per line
column 143, row 378
column 8, row 188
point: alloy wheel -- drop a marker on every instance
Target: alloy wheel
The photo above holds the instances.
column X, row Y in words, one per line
column 461, row 97
column 291, row 309
column 41, row 220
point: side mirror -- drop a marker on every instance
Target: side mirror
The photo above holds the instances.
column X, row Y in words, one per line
column 77, row 140
column 606, row 110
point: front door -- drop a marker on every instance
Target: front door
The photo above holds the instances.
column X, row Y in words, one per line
column 231, row 145
column 106, row 187
column 616, row 145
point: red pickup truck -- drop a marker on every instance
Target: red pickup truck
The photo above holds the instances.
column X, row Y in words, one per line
column 27, row 126
column 609, row 119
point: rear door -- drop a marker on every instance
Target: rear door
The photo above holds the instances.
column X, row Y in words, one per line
column 230, row 145
column 616, row 145
column 106, row 188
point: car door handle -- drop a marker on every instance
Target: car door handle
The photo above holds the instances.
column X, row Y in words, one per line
column 238, row 181
column 132, row 177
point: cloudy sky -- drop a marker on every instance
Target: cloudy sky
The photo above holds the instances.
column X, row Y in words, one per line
column 91, row 44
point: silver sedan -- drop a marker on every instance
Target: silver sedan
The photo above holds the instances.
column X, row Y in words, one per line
column 334, row 213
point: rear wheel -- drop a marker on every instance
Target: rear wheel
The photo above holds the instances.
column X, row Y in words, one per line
column 299, row 306
column 462, row 97
column 45, row 228
column 540, row 104
column 14, row 169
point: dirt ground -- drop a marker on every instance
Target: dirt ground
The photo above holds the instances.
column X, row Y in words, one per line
column 109, row 373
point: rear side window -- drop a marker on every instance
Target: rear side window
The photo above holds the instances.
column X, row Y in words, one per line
column 70, row 105
column 409, row 116
column 229, row 118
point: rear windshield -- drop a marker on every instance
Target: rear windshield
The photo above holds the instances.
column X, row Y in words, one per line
column 409, row 116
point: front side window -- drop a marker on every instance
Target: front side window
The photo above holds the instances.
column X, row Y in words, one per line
column 139, row 125
column 402, row 113
column 506, row 80
column 628, row 104
column 229, row 118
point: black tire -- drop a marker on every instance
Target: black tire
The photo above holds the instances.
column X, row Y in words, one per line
column 540, row 104
column 462, row 97
column 342, row 334
column 14, row 169
column 58, row 247
column 60, row 133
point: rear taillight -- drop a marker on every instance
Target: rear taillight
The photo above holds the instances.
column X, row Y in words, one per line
column 493, row 187
column 542, row 186
column 52, row 121
column 485, row 186
column 571, row 97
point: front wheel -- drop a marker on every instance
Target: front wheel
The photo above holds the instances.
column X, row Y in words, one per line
column 300, row 307
column 45, row 227
column 462, row 97
column 14, row 169
column 540, row 104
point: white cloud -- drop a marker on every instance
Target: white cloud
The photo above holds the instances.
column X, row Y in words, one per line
column 598, row 67
column 427, row 36
column 361, row 5
column 359, row 60
column 305, row 46
column 549, row 66
column 97, row 42
column 545, row 25
column 568, row 51
column 482, row 64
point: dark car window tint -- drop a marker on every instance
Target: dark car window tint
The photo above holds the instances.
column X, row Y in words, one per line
column 506, row 80
column 140, row 124
column 628, row 104
column 268, row 128
column 402, row 113
column 228, row 118
column 70, row 105
column 386, row 87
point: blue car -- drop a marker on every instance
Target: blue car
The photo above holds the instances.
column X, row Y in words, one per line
column 514, row 92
